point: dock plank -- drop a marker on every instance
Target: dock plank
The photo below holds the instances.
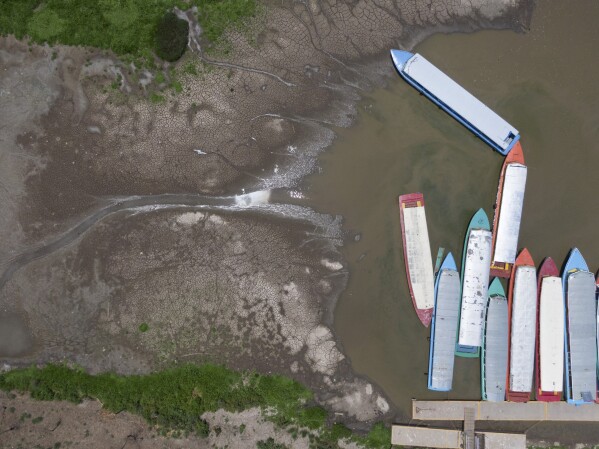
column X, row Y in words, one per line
column 504, row 411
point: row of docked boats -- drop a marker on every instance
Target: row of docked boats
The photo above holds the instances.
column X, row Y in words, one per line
column 545, row 332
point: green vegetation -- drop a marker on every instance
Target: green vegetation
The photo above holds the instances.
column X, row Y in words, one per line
column 175, row 399
column 143, row 327
column 127, row 27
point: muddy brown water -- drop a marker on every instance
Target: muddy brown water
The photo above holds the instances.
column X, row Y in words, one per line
column 544, row 82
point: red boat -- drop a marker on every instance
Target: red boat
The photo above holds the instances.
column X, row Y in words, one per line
column 549, row 357
column 512, row 211
column 417, row 255
column 522, row 317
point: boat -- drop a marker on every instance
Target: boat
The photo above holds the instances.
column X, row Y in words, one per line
column 476, row 258
column 580, row 340
column 549, row 360
column 493, row 357
column 508, row 212
column 417, row 255
column 444, row 326
column 522, row 326
column 455, row 100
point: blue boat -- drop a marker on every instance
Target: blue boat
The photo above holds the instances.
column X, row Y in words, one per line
column 444, row 326
column 580, row 342
column 455, row 100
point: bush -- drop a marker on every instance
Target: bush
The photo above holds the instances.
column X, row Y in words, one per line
column 171, row 37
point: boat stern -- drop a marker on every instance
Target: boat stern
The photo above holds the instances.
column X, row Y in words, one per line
column 400, row 57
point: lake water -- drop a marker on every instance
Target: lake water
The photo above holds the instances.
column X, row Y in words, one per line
column 544, row 82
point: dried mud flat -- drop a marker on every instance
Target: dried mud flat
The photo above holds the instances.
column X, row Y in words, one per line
column 117, row 211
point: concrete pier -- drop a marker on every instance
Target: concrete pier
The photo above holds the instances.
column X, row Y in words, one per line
column 453, row 439
column 504, row 411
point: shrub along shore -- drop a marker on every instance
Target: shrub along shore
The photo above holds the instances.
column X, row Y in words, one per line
column 127, row 27
column 175, row 399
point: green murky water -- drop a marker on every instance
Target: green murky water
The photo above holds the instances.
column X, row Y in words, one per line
column 544, row 82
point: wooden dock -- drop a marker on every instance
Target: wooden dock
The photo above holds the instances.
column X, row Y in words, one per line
column 453, row 439
column 504, row 411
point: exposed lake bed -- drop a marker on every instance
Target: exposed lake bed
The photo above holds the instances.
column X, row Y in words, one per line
column 152, row 264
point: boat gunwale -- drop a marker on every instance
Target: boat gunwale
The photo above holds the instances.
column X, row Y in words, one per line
column 447, row 265
column 424, row 315
column 457, row 116
column 460, row 350
column 516, row 156
column 491, row 294
column 524, row 259
column 574, row 263
column 547, row 268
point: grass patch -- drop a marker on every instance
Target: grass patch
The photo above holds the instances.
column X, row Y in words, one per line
column 175, row 399
column 143, row 327
column 127, row 27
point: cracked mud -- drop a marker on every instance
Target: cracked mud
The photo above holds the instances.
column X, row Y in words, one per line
column 226, row 284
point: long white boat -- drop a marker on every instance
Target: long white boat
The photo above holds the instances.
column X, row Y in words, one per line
column 550, row 350
column 493, row 361
column 455, row 100
column 523, row 328
column 580, row 342
column 444, row 327
column 508, row 212
column 417, row 255
column 476, row 260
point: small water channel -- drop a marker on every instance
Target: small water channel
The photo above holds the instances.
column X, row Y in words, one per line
column 544, row 82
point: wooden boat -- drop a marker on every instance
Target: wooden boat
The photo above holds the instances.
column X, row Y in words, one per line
column 444, row 326
column 549, row 366
column 493, row 359
column 522, row 319
column 455, row 100
column 581, row 330
column 417, row 255
column 508, row 212
column 476, row 258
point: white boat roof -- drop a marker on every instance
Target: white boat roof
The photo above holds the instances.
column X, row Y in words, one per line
column 460, row 100
column 582, row 326
column 496, row 346
column 447, row 308
column 510, row 214
column 475, row 287
column 418, row 253
column 524, row 320
column 551, row 334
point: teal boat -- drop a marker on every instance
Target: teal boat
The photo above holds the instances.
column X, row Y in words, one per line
column 494, row 350
column 476, row 263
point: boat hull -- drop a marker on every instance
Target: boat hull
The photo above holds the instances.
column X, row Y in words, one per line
column 580, row 343
column 522, row 301
column 495, row 345
column 471, row 117
column 503, row 268
column 474, row 279
column 417, row 255
column 444, row 326
column 548, row 275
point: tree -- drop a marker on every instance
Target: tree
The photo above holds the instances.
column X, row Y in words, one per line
column 171, row 37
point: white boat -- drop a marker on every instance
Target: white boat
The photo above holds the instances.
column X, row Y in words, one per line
column 476, row 260
column 417, row 255
column 455, row 100
column 523, row 328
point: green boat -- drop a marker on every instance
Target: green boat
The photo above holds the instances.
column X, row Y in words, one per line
column 476, row 262
column 493, row 358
